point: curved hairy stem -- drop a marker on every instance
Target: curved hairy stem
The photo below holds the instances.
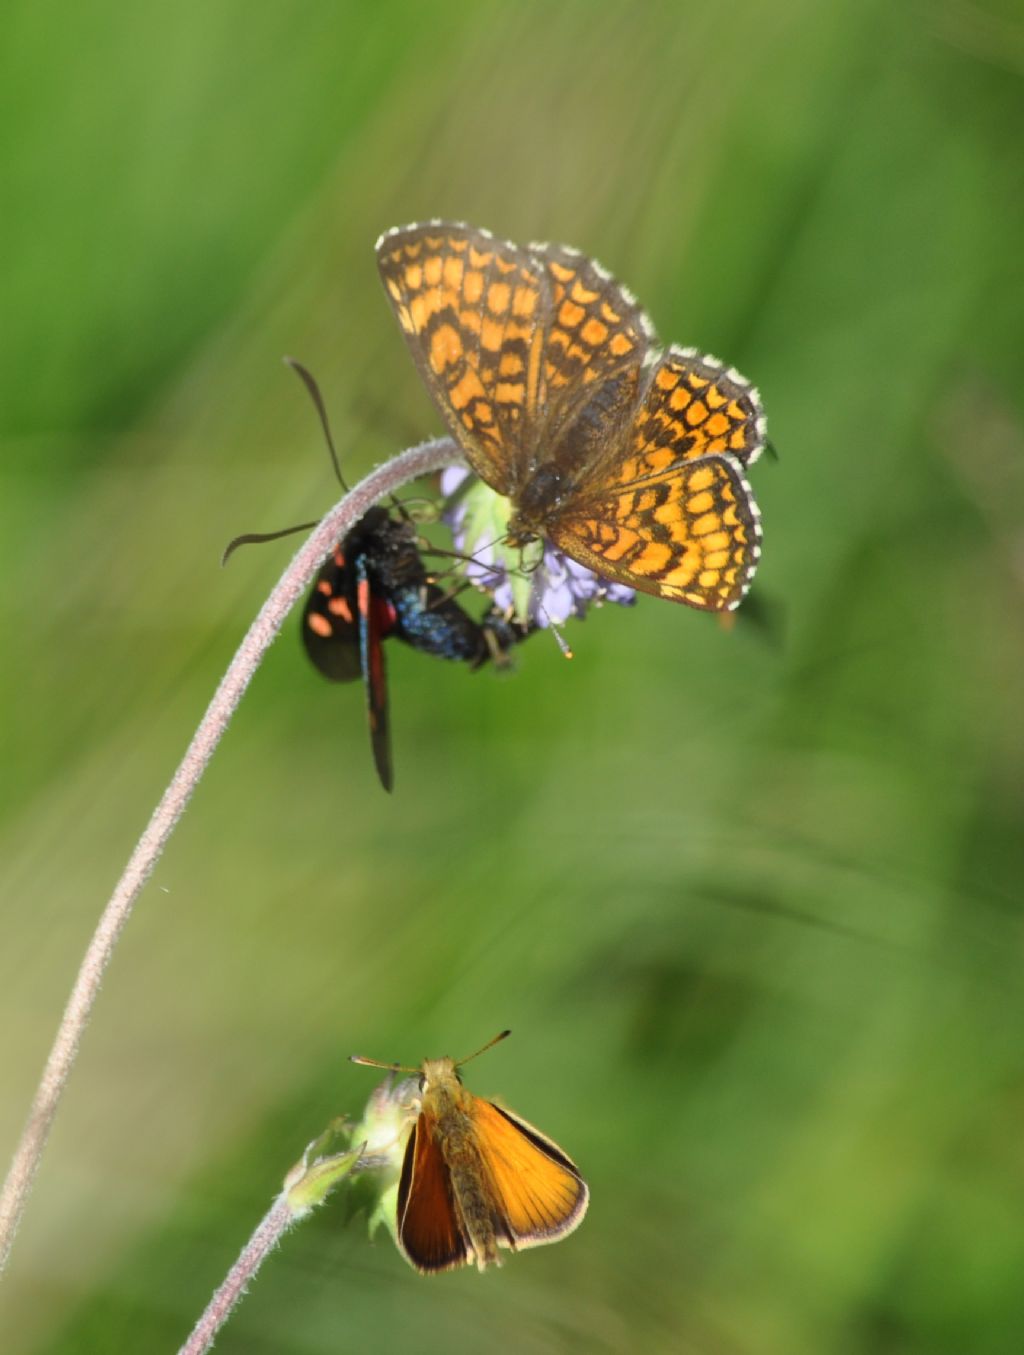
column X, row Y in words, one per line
column 291, row 587
column 271, row 1228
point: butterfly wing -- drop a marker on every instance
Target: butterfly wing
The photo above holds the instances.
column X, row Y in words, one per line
column 512, row 343
column 471, row 310
column 693, row 406
column 542, row 1195
column 596, row 341
column 673, row 514
column 429, row 1232
column 691, row 533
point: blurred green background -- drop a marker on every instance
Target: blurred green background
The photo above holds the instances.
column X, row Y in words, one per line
column 750, row 901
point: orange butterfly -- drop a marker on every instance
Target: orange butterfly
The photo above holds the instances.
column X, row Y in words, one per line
column 476, row 1177
column 628, row 459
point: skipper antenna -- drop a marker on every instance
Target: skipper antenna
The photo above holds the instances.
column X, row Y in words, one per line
column 484, row 1048
column 399, row 1068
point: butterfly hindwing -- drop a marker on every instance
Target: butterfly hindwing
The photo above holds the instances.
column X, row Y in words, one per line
column 691, row 533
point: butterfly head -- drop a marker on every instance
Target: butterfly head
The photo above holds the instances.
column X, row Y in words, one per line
column 436, row 1073
column 541, row 496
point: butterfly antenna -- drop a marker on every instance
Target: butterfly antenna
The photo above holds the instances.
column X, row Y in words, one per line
column 484, row 1048
column 559, row 638
column 376, row 1063
column 309, row 381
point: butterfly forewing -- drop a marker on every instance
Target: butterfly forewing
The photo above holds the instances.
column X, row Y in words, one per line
column 542, row 1194
column 428, row 1227
column 471, row 310
column 512, row 343
column 595, row 334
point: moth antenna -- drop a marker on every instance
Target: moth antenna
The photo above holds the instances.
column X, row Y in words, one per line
column 309, row 381
column 257, row 538
column 484, row 1048
column 423, row 499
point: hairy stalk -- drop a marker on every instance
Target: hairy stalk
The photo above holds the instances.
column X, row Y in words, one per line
column 271, row 1228
column 376, row 1145
column 291, row 587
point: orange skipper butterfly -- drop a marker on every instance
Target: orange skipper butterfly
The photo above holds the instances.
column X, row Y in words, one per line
column 476, row 1177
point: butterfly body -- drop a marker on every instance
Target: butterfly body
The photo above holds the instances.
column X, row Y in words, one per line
column 446, row 1115
column 375, row 585
column 628, row 459
column 476, row 1178
column 542, row 494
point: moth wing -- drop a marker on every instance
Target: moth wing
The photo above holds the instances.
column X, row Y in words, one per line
column 375, row 678
column 542, row 1195
column 429, row 1233
column 330, row 630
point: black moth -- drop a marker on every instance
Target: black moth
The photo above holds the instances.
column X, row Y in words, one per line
column 373, row 585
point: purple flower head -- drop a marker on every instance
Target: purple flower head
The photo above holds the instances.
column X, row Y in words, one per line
column 551, row 590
